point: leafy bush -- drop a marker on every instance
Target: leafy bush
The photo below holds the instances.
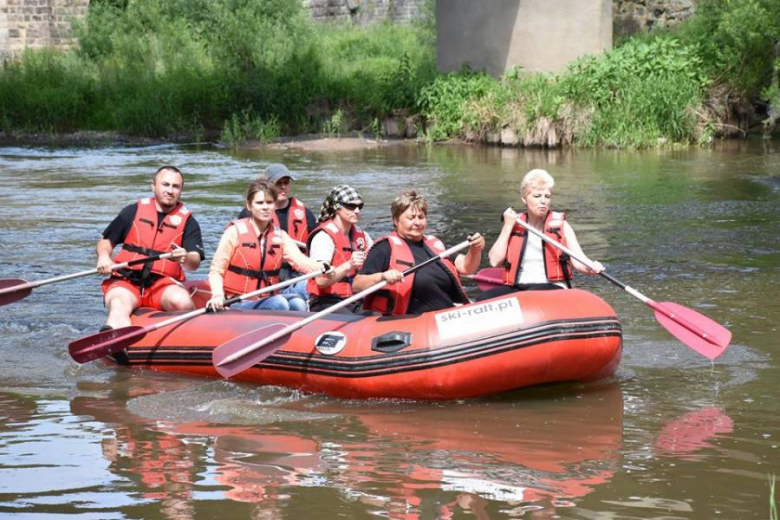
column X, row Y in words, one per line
column 641, row 92
column 735, row 41
column 445, row 101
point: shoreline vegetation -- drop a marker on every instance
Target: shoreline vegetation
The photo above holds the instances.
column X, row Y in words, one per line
column 247, row 72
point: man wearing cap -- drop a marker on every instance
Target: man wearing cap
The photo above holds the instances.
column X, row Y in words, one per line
column 291, row 215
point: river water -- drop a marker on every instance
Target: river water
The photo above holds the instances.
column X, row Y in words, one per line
column 670, row 436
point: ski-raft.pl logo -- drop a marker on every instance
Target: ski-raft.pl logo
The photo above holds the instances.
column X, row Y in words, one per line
column 477, row 319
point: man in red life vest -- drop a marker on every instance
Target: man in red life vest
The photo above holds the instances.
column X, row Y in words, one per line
column 157, row 224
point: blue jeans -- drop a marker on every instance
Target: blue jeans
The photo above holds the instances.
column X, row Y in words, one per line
column 298, row 289
column 279, row 302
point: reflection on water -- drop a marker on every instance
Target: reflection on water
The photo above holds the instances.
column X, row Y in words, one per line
column 542, row 453
column 693, row 431
column 538, row 454
column 671, row 436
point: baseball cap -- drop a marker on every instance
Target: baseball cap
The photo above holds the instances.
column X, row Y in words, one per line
column 277, row 171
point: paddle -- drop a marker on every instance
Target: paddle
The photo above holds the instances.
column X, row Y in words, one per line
column 487, row 278
column 705, row 336
column 15, row 289
column 108, row 342
column 247, row 350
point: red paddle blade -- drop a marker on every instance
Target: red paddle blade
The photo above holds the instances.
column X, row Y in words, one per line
column 495, row 273
column 488, row 278
column 252, row 357
column 13, row 296
column 705, row 336
column 104, row 343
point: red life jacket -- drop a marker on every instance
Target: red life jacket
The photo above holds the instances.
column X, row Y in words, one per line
column 557, row 265
column 297, row 222
column 394, row 299
column 342, row 253
column 249, row 267
column 149, row 237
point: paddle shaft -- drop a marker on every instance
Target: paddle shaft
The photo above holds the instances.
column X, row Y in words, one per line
column 333, row 308
column 630, row 290
column 228, row 303
column 32, row 285
column 485, row 278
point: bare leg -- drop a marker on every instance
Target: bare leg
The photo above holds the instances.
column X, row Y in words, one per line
column 120, row 303
column 176, row 298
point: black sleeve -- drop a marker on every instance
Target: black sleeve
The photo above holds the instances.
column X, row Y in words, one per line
column 311, row 220
column 244, row 213
column 378, row 259
column 281, row 216
column 192, row 240
column 117, row 230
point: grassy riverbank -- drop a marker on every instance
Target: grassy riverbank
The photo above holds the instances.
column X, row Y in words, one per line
column 261, row 69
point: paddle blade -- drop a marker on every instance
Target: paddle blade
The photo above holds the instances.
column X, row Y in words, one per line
column 12, row 296
column 104, row 343
column 705, row 336
column 487, row 278
column 253, row 356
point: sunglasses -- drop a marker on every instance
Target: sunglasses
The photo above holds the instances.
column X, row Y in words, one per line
column 352, row 207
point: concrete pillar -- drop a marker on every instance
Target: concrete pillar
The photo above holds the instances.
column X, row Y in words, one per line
column 539, row 35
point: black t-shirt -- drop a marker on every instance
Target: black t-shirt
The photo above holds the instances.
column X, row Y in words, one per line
column 116, row 232
column 433, row 288
column 282, row 215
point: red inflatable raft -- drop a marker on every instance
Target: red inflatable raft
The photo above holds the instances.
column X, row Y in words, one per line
column 523, row 339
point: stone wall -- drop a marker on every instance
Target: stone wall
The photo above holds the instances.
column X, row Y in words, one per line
column 47, row 23
column 630, row 16
column 364, row 12
column 635, row 16
column 37, row 23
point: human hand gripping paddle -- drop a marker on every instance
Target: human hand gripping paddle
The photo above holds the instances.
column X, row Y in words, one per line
column 14, row 289
column 705, row 336
column 108, row 342
column 247, row 350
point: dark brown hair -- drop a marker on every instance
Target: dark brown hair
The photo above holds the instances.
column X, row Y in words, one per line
column 258, row 185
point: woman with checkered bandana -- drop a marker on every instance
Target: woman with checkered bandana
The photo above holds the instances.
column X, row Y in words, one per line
column 339, row 241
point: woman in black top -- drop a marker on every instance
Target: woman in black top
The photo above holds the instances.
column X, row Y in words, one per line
column 433, row 287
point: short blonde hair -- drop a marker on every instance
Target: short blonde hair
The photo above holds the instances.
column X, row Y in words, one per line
column 408, row 199
column 536, row 177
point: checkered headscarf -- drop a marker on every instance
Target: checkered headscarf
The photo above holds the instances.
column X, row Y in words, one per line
column 341, row 194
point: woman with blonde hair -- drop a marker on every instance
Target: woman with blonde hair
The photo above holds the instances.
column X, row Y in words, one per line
column 528, row 261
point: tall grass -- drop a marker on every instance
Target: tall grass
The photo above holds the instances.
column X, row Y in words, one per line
column 162, row 67
column 255, row 69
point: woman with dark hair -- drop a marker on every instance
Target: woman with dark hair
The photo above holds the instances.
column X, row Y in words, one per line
column 339, row 241
column 433, row 287
column 250, row 255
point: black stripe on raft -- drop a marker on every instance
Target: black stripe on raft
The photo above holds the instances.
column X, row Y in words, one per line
column 386, row 364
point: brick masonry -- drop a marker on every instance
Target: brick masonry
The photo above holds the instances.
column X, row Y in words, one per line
column 365, row 12
column 635, row 16
column 38, row 23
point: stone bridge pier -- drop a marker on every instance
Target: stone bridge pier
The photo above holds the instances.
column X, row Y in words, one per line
column 537, row 35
